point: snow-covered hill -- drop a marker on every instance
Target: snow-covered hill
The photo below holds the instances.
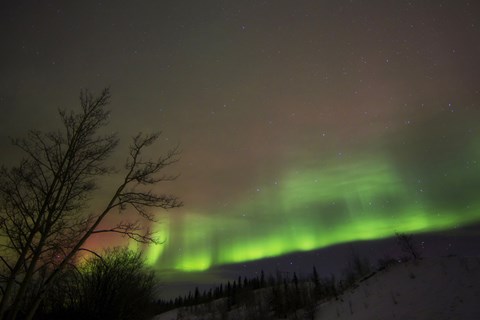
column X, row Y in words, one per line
column 432, row 288
column 435, row 288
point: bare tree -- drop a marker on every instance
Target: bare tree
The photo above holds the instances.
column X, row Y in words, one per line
column 43, row 200
column 405, row 241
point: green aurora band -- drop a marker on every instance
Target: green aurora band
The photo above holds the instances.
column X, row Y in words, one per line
column 306, row 210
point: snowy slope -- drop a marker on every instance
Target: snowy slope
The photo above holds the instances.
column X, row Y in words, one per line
column 432, row 288
column 435, row 288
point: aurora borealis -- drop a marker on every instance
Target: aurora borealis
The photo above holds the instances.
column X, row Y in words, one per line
column 303, row 124
column 365, row 200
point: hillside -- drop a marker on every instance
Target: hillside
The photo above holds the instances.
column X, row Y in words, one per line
column 432, row 288
column 435, row 288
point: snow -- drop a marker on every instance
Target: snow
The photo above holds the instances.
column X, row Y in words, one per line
column 431, row 288
column 169, row 315
column 435, row 288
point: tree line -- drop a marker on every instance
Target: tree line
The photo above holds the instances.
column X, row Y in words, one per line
column 279, row 295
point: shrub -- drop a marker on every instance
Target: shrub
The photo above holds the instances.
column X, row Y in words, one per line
column 113, row 286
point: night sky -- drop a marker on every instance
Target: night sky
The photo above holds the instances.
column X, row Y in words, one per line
column 302, row 124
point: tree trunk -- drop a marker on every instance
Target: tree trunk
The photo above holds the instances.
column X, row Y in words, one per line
column 23, row 286
column 33, row 309
column 13, row 274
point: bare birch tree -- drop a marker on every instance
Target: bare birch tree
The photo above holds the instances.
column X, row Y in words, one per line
column 43, row 200
column 408, row 246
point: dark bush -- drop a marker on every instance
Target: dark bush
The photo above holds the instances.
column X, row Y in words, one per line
column 113, row 286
